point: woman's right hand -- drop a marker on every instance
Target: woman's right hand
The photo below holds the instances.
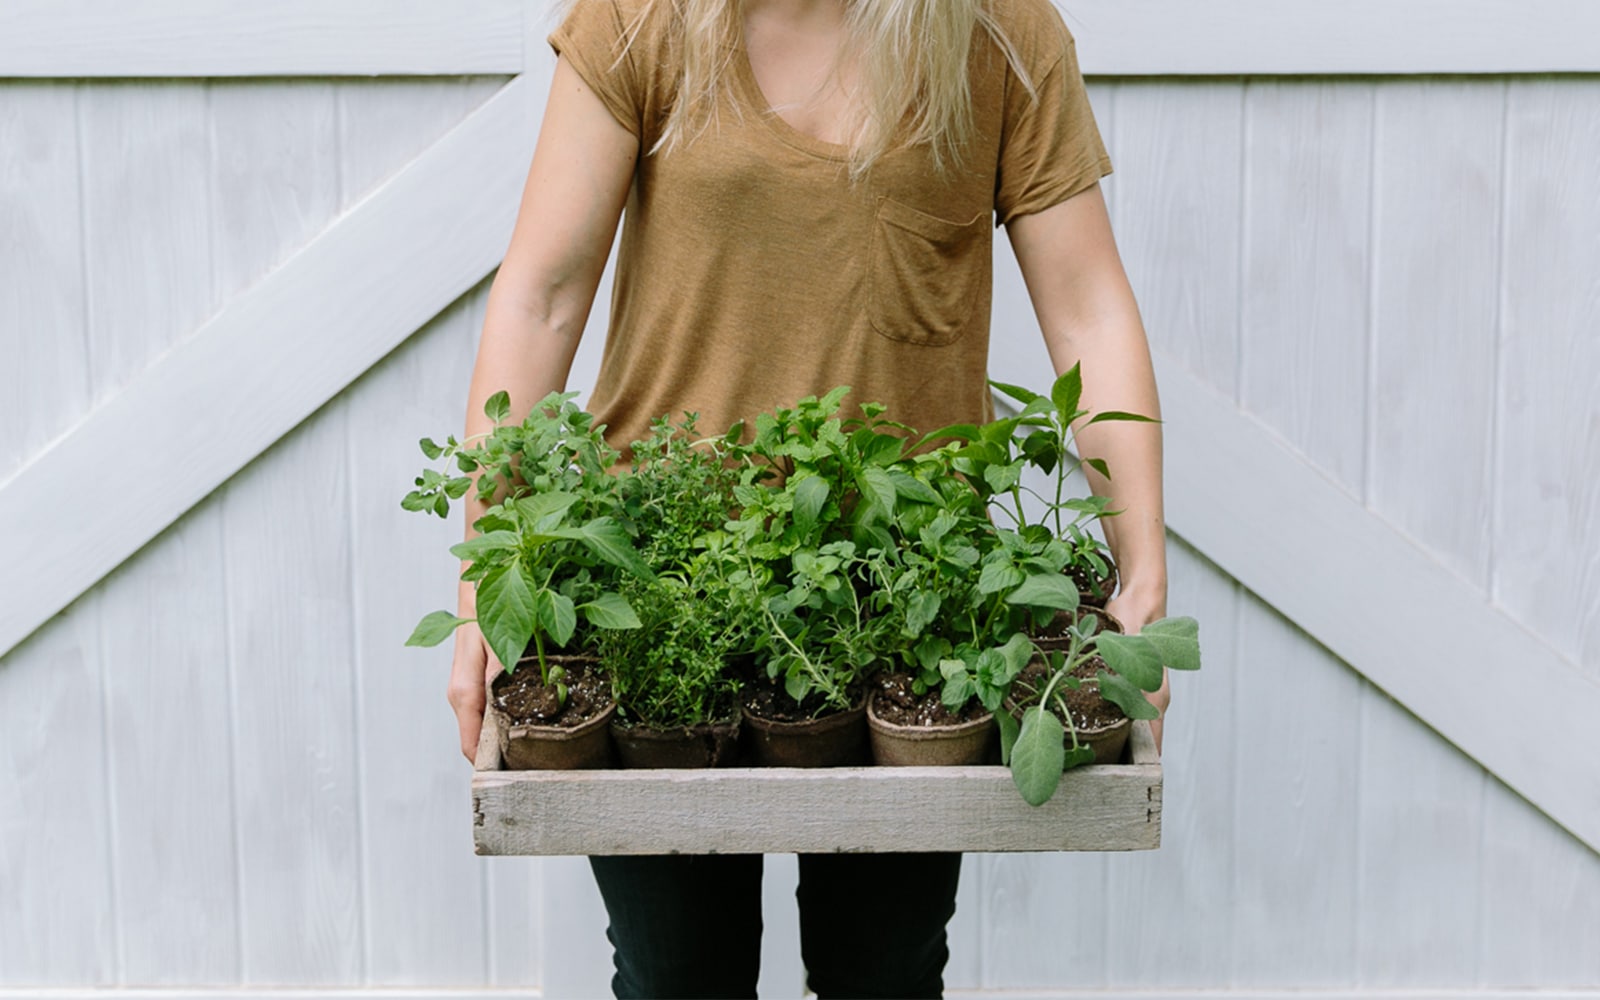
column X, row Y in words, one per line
column 471, row 672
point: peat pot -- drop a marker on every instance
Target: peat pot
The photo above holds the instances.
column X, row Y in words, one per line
column 707, row 745
column 531, row 747
column 930, row 746
column 837, row 740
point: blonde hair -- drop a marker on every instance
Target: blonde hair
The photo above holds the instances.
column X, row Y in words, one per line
column 913, row 60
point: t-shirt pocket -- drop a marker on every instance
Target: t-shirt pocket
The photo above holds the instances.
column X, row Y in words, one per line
column 927, row 274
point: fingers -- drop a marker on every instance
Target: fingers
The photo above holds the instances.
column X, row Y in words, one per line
column 467, row 691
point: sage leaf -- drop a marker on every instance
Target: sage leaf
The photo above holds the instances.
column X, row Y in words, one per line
column 1177, row 641
column 1008, row 734
column 1132, row 656
column 1125, row 696
column 434, row 628
column 1045, row 590
column 1038, row 756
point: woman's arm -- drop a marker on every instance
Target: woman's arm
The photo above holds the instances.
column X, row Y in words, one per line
column 1087, row 313
column 538, row 305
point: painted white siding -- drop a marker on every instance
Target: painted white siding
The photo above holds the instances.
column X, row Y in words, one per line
column 219, row 768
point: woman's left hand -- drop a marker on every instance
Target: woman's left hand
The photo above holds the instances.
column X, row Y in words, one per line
column 1136, row 609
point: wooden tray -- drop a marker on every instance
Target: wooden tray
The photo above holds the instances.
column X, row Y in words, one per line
column 1101, row 807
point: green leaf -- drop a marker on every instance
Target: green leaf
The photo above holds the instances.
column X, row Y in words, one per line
column 1120, row 415
column 958, row 690
column 1099, row 465
column 441, row 505
column 1038, row 756
column 457, row 488
column 997, row 576
column 796, row 686
column 498, row 406
column 1046, row 590
column 1080, row 754
column 1001, row 478
column 1177, row 640
column 909, row 487
column 810, row 494
column 1008, row 734
column 1125, row 696
column 506, row 611
column 480, row 545
column 430, row 449
column 435, row 628
column 875, row 484
column 537, row 510
column 1132, row 656
column 556, row 615
column 610, row 611
column 1016, row 392
column 610, row 541
column 960, row 432
column 416, row 500
column 921, row 610
column 1067, row 391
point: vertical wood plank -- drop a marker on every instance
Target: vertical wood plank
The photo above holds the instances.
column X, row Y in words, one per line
column 288, row 571
column 1308, row 160
column 42, row 385
column 1178, row 206
column 1547, row 475
column 417, row 832
column 56, row 918
column 1540, row 887
column 1294, row 821
column 1173, row 894
column 146, row 154
column 1436, row 181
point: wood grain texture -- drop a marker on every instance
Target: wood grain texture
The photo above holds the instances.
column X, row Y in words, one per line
column 1172, row 894
column 149, row 171
column 288, row 567
column 43, row 385
column 170, row 38
column 1304, row 297
column 416, row 837
column 1177, row 151
column 57, row 912
column 1294, row 821
column 1546, row 528
column 1268, row 37
column 342, row 300
column 824, row 810
column 1436, row 659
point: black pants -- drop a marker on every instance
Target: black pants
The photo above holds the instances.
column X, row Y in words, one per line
column 871, row 925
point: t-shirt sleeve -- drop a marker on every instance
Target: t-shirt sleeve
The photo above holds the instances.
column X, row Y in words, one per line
column 1051, row 149
column 591, row 37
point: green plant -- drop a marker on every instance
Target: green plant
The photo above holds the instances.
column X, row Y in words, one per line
column 1038, row 750
column 549, row 553
column 817, row 501
column 673, row 670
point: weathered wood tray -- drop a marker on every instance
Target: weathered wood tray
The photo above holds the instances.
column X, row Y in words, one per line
column 1104, row 807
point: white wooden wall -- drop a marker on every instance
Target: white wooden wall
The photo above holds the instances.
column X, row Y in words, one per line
column 219, row 768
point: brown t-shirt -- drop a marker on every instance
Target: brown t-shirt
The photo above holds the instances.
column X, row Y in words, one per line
column 752, row 272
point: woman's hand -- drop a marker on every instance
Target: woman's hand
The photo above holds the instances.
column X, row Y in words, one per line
column 473, row 668
column 1135, row 608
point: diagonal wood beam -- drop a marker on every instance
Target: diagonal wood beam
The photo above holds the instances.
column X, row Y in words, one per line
column 271, row 357
column 1380, row 602
column 133, row 38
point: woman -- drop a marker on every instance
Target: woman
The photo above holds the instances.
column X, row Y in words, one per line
column 809, row 186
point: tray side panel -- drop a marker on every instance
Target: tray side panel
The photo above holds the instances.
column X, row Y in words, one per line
column 787, row 810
